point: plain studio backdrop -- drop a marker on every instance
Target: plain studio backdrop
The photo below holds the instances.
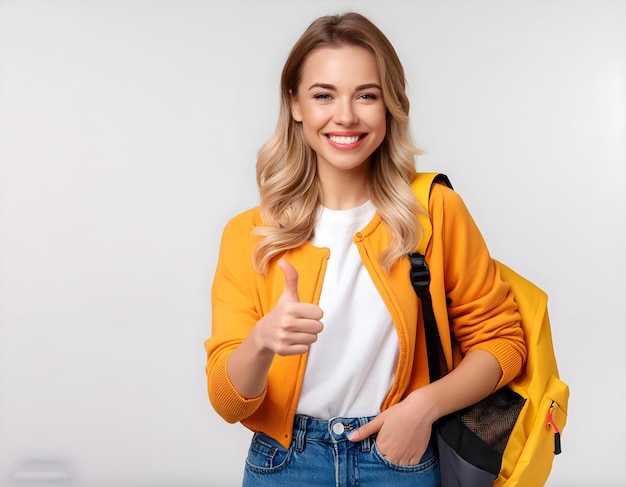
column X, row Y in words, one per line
column 129, row 131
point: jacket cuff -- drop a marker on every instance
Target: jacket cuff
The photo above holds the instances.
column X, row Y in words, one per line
column 226, row 400
column 510, row 361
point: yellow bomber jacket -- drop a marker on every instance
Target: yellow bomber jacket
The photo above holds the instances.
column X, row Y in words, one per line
column 466, row 289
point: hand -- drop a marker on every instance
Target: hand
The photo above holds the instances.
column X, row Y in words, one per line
column 403, row 431
column 291, row 326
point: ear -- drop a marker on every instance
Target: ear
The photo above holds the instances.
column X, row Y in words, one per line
column 295, row 107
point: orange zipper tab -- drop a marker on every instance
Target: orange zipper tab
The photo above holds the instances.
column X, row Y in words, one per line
column 557, row 432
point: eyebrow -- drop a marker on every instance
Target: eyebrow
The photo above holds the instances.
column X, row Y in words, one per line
column 327, row 86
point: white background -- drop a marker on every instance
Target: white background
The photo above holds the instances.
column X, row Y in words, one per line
column 129, row 131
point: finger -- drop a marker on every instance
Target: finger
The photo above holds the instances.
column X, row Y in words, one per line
column 366, row 430
column 309, row 313
column 291, row 279
column 301, row 339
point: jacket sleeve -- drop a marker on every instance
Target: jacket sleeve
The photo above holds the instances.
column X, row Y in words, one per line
column 234, row 304
column 481, row 308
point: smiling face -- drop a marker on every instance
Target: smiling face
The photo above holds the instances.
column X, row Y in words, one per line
column 340, row 105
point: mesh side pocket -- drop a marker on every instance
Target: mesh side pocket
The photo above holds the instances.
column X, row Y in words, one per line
column 493, row 418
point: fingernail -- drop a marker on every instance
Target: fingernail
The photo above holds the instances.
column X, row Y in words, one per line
column 352, row 436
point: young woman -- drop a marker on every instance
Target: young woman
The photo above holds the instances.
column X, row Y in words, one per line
column 317, row 342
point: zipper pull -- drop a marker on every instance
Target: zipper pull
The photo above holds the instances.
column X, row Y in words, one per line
column 557, row 431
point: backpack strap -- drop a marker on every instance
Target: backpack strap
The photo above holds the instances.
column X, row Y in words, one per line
column 420, row 274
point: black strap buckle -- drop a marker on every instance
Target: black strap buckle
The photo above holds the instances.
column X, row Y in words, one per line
column 420, row 275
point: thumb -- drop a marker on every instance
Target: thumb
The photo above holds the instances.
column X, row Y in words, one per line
column 366, row 430
column 291, row 279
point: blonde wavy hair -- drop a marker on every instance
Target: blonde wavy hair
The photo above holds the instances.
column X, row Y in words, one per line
column 286, row 167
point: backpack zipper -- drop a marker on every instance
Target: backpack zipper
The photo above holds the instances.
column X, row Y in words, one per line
column 552, row 424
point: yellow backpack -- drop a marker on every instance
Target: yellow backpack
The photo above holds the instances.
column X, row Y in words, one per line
column 535, row 438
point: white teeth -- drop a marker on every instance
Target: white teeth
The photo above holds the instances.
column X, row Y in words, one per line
column 344, row 140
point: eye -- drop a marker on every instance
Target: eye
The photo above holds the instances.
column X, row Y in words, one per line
column 322, row 96
column 367, row 96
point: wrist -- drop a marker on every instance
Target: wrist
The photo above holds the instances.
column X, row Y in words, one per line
column 259, row 348
column 426, row 403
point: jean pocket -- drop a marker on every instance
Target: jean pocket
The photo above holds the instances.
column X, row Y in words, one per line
column 266, row 455
column 427, row 462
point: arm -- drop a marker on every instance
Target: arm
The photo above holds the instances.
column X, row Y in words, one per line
column 481, row 310
column 236, row 308
column 240, row 350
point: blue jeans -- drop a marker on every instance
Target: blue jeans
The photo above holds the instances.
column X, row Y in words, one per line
column 321, row 455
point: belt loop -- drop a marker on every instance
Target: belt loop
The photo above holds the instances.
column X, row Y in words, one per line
column 365, row 443
column 300, row 432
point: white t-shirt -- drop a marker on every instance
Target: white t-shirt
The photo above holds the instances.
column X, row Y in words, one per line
column 351, row 367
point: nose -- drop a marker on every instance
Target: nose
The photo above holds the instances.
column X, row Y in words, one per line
column 345, row 114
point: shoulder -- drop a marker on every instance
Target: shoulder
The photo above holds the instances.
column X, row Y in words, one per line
column 432, row 193
column 241, row 226
column 444, row 198
column 249, row 216
column 448, row 210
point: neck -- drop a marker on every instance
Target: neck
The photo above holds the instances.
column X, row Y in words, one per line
column 345, row 190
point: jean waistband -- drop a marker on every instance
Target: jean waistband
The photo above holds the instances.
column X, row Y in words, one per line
column 332, row 430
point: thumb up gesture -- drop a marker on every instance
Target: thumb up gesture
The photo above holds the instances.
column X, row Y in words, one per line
column 291, row 326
